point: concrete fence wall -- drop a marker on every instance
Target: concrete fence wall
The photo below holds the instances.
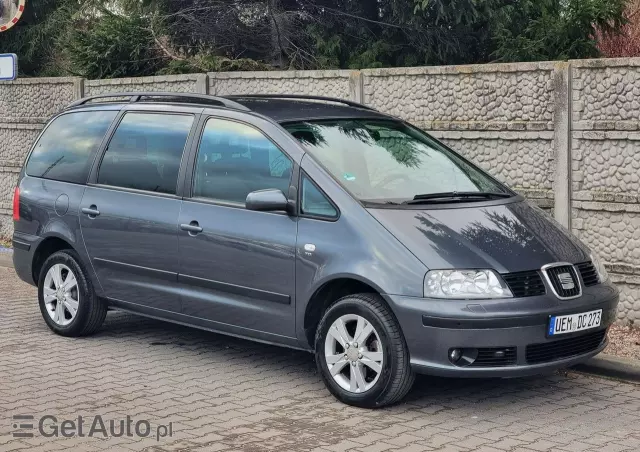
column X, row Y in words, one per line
column 565, row 135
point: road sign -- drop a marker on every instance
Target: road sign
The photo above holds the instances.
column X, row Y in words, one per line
column 8, row 66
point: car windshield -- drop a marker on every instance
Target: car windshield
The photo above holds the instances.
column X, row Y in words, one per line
column 390, row 162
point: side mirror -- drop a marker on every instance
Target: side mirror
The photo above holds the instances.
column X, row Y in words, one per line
column 269, row 200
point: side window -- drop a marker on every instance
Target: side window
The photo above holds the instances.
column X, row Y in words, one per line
column 64, row 149
column 145, row 152
column 314, row 202
column 235, row 159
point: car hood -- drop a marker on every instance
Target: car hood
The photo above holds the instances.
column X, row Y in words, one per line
column 507, row 237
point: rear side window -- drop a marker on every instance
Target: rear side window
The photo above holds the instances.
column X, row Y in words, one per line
column 65, row 148
column 145, row 152
column 235, row 159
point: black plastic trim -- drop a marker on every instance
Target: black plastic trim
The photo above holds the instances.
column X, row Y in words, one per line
column 484, row 324
column 134, row 190
column 136, row 97
column 21, row 245
column 138, row 270
column 235, row 289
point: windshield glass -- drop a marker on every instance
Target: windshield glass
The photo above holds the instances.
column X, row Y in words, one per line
column 388, row 161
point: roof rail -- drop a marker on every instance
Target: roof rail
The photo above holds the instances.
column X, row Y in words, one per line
column 136, row 97
column 301, row 97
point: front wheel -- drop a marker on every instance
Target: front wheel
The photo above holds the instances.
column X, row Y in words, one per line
column 361, row 353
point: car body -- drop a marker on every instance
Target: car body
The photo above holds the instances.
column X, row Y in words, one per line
column 214, row 240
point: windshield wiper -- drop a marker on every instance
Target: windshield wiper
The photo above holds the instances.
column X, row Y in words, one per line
column 456, row 196
column 373, row 202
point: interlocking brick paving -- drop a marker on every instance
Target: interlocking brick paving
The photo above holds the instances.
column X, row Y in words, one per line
column 226, row 394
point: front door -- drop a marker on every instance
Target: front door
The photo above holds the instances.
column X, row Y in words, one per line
column 129, row 216
column 237, row 267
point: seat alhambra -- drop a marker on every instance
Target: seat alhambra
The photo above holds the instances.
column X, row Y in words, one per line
column 305, row 222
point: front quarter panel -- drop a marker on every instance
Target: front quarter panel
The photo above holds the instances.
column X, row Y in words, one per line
column 355, row 246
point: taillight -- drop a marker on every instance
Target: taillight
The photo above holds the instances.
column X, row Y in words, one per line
column 16, row 204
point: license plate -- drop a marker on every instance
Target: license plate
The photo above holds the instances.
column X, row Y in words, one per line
column 562, row 324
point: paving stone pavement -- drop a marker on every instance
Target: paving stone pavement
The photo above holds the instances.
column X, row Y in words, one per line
column 226, row 394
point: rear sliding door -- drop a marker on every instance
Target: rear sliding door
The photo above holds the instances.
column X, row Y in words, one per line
column 129, row 213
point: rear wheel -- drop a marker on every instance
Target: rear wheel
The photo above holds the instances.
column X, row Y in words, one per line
column 67, row 300
column 361, row 353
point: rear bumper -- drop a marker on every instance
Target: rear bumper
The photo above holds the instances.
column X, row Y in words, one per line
column 515, row 327
column 24, row 247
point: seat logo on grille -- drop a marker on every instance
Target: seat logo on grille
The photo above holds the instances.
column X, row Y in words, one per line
column 566, row 281
column 562, row 279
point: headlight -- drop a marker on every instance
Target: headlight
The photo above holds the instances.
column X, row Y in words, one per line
column 464, row 284
column 602, row 272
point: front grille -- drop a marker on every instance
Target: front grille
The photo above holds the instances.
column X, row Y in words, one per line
column 525, row 284
column 564, row 280
column 495, row 357
column 588, row 272
column 564, row 348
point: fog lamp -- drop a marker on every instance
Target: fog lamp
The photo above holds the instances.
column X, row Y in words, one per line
column 454, row 355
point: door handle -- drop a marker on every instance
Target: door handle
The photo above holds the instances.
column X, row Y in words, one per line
column 192, row 228
column 92, row 211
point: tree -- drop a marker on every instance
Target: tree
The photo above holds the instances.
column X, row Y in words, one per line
column 534, row 30
column 33, row 38
column 139, row 37
column 387, row 33
column 627, row 42
column 114, row 46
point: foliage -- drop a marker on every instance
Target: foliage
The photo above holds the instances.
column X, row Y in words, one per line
column 211, row 63
column 33, row 39
column 627, row 42
column 533, row 30
column 114, row 46
column 115, row 38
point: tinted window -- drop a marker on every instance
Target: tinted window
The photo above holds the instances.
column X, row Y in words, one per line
column 145, row 152
column 235, row 159
column 64, row 150
column 314, row 202
column 388, row 161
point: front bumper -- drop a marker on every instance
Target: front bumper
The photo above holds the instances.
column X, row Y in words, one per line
column 432, row 327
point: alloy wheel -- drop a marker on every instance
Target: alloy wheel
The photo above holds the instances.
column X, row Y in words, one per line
column 353, row 352
column 61, row 295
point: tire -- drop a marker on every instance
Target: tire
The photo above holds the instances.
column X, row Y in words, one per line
column 90, row 311
column 395, row 377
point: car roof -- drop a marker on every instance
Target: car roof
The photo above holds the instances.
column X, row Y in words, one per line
column 281, row 108
column 290, row 110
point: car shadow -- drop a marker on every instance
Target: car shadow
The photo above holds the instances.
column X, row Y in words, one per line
column 430, row 393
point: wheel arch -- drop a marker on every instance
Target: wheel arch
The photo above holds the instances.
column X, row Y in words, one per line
column 51, row 243
column 329, row 291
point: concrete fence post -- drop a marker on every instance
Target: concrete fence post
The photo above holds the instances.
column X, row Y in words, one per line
column 356, row 86
column 562, row 143
column 78, row 88
column 202, row 84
